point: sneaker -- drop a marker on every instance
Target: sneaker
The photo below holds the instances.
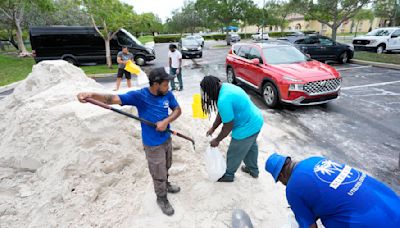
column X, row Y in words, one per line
column 172, row 188
column 225, row 178
column 165, row 206
column 247, row 170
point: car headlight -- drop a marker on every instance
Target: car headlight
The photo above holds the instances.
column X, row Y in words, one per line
column 291, row 79
column 184, row 49
column 372, row 42
column 199, row 48
column 296, row 87
column 149, row 50
column 351, row 47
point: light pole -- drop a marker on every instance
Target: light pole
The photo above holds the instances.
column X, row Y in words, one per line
column 263, row 21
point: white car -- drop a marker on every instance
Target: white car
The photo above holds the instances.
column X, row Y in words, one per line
column 379, row 40
column 196, row 37
column 260, row 36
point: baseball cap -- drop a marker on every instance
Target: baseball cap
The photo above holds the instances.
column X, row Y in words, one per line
column 160, row 73
column 274, row 165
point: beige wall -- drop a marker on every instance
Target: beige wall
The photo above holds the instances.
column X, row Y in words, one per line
column 298, row 23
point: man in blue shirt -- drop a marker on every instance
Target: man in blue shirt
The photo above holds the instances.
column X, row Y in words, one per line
column 339, row 195
column 240, row 116
column 153, row 104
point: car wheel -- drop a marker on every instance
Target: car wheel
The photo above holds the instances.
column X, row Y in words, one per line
column 230, row 76
column 140, row 60
column 270, row 95
column 380, row 49
column 344, row 58
column 71, row 60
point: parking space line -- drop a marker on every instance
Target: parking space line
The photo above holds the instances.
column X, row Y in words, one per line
column 351, row 68
column 370, row 85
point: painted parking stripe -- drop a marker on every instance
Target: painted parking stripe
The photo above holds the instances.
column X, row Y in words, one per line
column 370, row 85
column 352, row 68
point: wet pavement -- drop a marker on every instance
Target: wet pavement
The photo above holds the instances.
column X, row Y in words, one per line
column 361, row 128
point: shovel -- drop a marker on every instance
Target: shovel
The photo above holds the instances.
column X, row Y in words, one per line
column 101, row 104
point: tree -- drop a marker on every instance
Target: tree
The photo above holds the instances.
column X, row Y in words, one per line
column 388, row 9
column 224, row 12
column 363, row 14
column 331, row 12
column 279, row 12
column 111, row 15
column 13, row 11
column 65, row 12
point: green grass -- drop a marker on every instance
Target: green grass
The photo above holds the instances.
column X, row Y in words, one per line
column 145, row 39
column 373, row 57
column 14, row 68
column 99, row 69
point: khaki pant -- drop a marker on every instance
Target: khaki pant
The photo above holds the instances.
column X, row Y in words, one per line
column 159, row 159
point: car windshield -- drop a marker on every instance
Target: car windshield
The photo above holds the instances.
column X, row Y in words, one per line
column 189, row 42
column 283, row 55
column 132, row 37
column 380, row 32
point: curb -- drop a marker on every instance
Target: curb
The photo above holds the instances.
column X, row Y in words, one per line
column 9, row 86
column 376, row 64
column 101, row 75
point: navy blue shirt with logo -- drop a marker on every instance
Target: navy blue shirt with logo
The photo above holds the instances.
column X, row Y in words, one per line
column 152, row 108
column 340, row 196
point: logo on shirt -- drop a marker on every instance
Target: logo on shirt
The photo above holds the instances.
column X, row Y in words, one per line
column 335, row 174
column 166, row 104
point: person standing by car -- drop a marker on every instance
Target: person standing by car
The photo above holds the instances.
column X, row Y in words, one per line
column 122, row 58
column 175, row 65
column 240, row 116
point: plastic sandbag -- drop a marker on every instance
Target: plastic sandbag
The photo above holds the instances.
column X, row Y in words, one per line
column 132, row 68
column 142, row 78
column 215, row 163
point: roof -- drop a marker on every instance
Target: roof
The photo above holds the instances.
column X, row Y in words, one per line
column 51, row 30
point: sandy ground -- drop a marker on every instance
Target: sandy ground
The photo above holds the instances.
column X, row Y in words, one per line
column 67, row 164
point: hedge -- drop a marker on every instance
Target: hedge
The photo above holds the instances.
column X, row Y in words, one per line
column 167, row 39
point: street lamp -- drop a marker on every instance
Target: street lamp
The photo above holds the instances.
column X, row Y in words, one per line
column 263, row 21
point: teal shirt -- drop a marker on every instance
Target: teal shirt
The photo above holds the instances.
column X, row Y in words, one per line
column 234, row 104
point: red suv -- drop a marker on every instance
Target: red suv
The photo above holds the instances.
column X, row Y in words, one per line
column 281, row 73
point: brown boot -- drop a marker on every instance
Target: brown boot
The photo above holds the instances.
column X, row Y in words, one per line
column 165, row 206
column 173, row 188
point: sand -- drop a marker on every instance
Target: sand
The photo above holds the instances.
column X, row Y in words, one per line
column 68, row 164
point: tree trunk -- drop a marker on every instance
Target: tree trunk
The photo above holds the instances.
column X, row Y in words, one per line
column 334, row 31
column 355, row 34
column 108, row 53
column 20, row 40
column 228, row 40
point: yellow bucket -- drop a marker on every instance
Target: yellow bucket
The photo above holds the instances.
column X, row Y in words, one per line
column 196, row 107
column 132, row 68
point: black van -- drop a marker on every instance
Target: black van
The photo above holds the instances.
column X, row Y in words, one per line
column 78, row 45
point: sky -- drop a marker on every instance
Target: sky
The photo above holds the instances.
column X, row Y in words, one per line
column 163, row 8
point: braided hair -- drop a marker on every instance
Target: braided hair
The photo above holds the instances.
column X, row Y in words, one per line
column 210, row 86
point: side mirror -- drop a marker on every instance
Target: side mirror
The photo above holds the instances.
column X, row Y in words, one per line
column 255, row 61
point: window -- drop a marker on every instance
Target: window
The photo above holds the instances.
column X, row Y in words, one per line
column 123, row 39
column 283, row 55
column 236, row 49
column 396, row 33
column 325, row 41
column 254, row 54
column 311, row 40
column 244, row 51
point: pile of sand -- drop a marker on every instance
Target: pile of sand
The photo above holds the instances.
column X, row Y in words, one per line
column 67, row 164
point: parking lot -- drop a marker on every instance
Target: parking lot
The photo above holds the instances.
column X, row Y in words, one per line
column 361, row 128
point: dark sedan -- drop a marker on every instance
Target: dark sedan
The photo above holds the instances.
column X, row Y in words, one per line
column 323, row 48
column 190, row 48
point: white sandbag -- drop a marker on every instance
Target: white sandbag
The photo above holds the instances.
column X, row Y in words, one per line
column 142, row 78
column 215, row 163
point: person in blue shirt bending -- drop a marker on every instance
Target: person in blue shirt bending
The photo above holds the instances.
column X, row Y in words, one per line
column 153, row 104
column 339, row 195
column 240, row 116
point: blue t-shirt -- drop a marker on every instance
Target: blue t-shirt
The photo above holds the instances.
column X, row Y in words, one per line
column 340, row 196
column 234, row 104
column 152, row 108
